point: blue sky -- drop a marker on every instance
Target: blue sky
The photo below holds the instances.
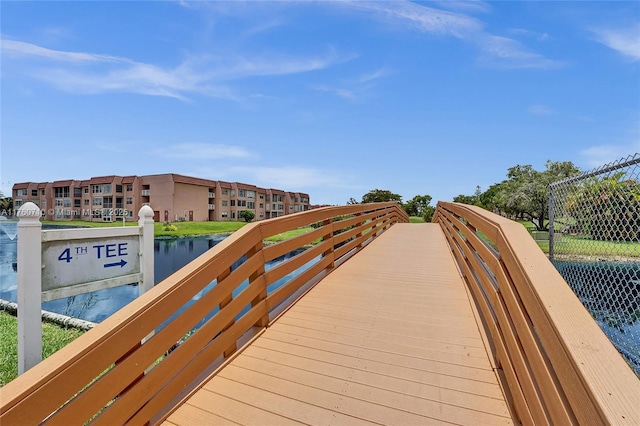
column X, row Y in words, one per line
column 329, row 98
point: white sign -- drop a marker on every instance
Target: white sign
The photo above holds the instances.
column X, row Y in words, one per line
column 69, row 263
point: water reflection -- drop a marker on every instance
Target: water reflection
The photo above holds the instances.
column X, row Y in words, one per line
column 170, row 255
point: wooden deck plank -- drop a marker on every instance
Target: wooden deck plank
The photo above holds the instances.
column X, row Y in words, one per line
column 389, row 337
column 303, row 369
column 436, row 373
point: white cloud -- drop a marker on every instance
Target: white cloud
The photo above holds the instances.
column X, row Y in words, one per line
column 528, row 33
column 465, row 6
column 540, row 110
column 625, row 41
column 203, row 151
column 19, row 48
column 597, row 156
column 291, row 177
column 509, row 53
column 497, row 51
column 419, row 17
column 343, row 93
column 90, row 73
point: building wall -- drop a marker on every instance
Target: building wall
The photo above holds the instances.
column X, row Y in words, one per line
column 173, row 197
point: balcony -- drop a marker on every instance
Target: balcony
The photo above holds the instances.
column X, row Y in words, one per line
column 212, row 195
column 212, row 207
column 146, row 192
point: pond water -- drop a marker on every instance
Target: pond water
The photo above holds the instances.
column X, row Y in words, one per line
column 169, row 256
column 611, row 293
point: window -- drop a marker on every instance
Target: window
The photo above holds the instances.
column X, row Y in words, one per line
column 233, row 215
column 273, row 206
column 96, row 189
column 233, row 203
column 61, row 192
column 225, row 191
column 261, row 197
column 86, row 202
column 242, row 193
column 77, row 192
column 86, row 189
column 251, row 205
column 97, row 201
column 251, row 194
column 77, row 202
column 261, row 205
column 66, row 202
column 224, row 203
column 34, row 192
column 129, row 200
column 118, row 188
column 107, row 202
column 224, row 214
column 106, row 188
column 58, row 202
column 280, row 207
column 233, row 192
column 129, row 188
column 21, row 193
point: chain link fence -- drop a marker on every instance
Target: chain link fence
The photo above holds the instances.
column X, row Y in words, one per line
column 594, row 242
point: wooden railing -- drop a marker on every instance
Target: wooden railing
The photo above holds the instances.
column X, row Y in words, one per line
column 131, row 369
column 556, row 365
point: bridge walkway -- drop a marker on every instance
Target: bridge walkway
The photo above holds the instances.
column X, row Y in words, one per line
column 389, row 337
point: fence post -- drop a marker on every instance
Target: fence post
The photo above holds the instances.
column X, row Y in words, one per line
column 29, row 287
column 551, row 224
column 145, row 215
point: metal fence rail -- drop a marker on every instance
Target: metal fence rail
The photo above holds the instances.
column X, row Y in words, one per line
column 594, row 242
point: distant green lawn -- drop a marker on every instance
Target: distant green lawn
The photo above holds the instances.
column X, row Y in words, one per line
column 184, row 228
column 416, row 219
column 53, row 339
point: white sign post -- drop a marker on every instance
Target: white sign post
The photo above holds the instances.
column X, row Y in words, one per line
column 29, row 285
column 54, row 264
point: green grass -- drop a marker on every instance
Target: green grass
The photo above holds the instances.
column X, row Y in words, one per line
column 184, row 228
column 53, row 338
column 198, row 228
column 416, row 219
column 289, row 234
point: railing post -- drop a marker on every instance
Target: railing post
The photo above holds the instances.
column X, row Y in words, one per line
column 329, row 236
column 29, row 287
column 145, row 221
column 551, row 225
column 256, row 250
column 231, row 349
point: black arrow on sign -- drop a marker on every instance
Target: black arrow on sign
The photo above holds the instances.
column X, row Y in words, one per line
column 121, row 264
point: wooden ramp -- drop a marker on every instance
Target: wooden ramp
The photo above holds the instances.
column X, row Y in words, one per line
column 389, row 337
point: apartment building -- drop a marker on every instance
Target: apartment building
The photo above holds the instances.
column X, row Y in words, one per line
column 172, row 197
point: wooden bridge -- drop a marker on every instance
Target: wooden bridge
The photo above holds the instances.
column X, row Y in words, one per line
column 460, row 321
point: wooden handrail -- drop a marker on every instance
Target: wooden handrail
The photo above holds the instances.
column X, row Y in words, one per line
column 556, row 364
column 130, row 367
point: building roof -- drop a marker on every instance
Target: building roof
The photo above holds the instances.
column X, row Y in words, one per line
column 59, row 183
column 128, row 179
column 22, row 185
column 193, row 180
column 100, row 180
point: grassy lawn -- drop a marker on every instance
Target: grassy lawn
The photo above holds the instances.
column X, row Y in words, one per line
column 289, row 234
column 416, row 219
column 184, row 228
column 198, row 228
column 53, row 339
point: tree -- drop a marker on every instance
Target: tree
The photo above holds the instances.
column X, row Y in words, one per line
column 525, row 193
column 352, row 201
column 417, row 205
column 380, row 195
column 606, row 208
column 247, row 215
